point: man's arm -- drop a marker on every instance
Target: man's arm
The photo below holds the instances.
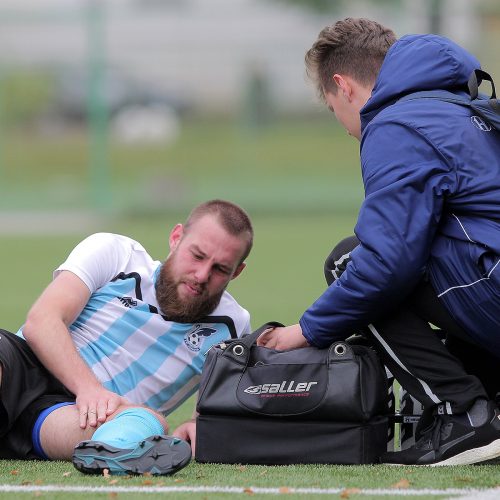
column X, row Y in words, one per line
column 46, row 331
column 407, row 183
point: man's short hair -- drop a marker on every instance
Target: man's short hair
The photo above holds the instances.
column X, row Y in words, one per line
column 231, row 217
column 352, row 47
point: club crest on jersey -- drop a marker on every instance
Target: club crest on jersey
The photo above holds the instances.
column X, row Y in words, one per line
column 194, row 337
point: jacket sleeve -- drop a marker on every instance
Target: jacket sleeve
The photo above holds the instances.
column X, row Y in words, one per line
column 406, row 181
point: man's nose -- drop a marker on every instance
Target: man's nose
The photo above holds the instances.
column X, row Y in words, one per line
column 203, row 271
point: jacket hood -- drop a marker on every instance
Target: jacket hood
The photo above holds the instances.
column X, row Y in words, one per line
column 415, row 63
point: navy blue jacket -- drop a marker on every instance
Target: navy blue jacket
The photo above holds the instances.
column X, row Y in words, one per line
column 432, row 201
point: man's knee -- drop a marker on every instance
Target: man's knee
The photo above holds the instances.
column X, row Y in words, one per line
column 159, row 416
column 338, row 259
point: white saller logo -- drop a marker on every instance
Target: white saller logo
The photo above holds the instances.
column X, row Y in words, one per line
column 281, row 388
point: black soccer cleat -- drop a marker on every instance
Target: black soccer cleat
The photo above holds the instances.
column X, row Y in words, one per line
column 156, row 455
column 462, row 439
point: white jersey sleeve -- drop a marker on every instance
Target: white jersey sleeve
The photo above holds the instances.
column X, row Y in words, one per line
column 99, row 258
column 247, row 329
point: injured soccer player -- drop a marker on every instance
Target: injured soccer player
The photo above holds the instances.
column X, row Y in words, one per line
column 117, row 341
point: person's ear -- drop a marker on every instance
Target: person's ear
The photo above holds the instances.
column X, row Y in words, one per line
column 343, row 86
column 175, row 236
column 238, row 271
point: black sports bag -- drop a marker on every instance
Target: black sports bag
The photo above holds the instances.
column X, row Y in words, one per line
column 308, row 405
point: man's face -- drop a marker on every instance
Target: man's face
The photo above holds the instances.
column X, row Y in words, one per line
column 202, row 261
column 346, row 112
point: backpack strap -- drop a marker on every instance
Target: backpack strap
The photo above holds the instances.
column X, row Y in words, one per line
column 475, row 100
column 476, row 77
column 442, row 95
column 484, row 107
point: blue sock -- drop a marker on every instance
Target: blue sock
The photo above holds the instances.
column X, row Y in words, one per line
column 128, row 428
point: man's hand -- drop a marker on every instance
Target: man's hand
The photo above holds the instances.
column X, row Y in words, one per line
column 283, row 338
column 187, row 431
column 96, row 404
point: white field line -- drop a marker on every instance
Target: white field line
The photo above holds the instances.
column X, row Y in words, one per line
column 475, row 494
column 483, row 495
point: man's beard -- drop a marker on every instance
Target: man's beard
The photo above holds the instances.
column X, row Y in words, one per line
column 175, row 308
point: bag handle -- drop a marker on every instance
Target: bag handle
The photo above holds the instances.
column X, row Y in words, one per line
column 477, row 76
column 239, row 349
column 249, row 340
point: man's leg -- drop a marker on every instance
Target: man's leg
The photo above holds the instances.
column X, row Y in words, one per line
column 133, row 440
column 479, row 362
column 60, row 432
column 464, row 427
column 411, row 348
column 419, row 360
column 461, row 424
column 338, row 259
column 27, row 388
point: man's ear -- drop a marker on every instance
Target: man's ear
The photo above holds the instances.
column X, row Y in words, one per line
column 175, row 236
column 343, row 85
column 238, row 270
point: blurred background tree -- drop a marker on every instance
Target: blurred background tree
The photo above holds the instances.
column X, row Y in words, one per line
column 335, row 6
column 149, row 106
column 119, row 115
column 332, row 6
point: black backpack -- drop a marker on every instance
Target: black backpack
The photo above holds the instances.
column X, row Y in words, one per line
column 484, row 108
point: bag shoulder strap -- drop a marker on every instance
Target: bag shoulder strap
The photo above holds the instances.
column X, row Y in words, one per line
column 487, row 108
column 442, row 95
column 475, row 79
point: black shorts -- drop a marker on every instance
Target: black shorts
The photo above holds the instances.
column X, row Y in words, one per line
column 27, row 389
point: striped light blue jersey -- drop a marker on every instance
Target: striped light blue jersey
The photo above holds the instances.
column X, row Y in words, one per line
column 132, row 349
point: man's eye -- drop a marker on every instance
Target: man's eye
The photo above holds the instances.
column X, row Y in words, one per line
column 197, row 256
